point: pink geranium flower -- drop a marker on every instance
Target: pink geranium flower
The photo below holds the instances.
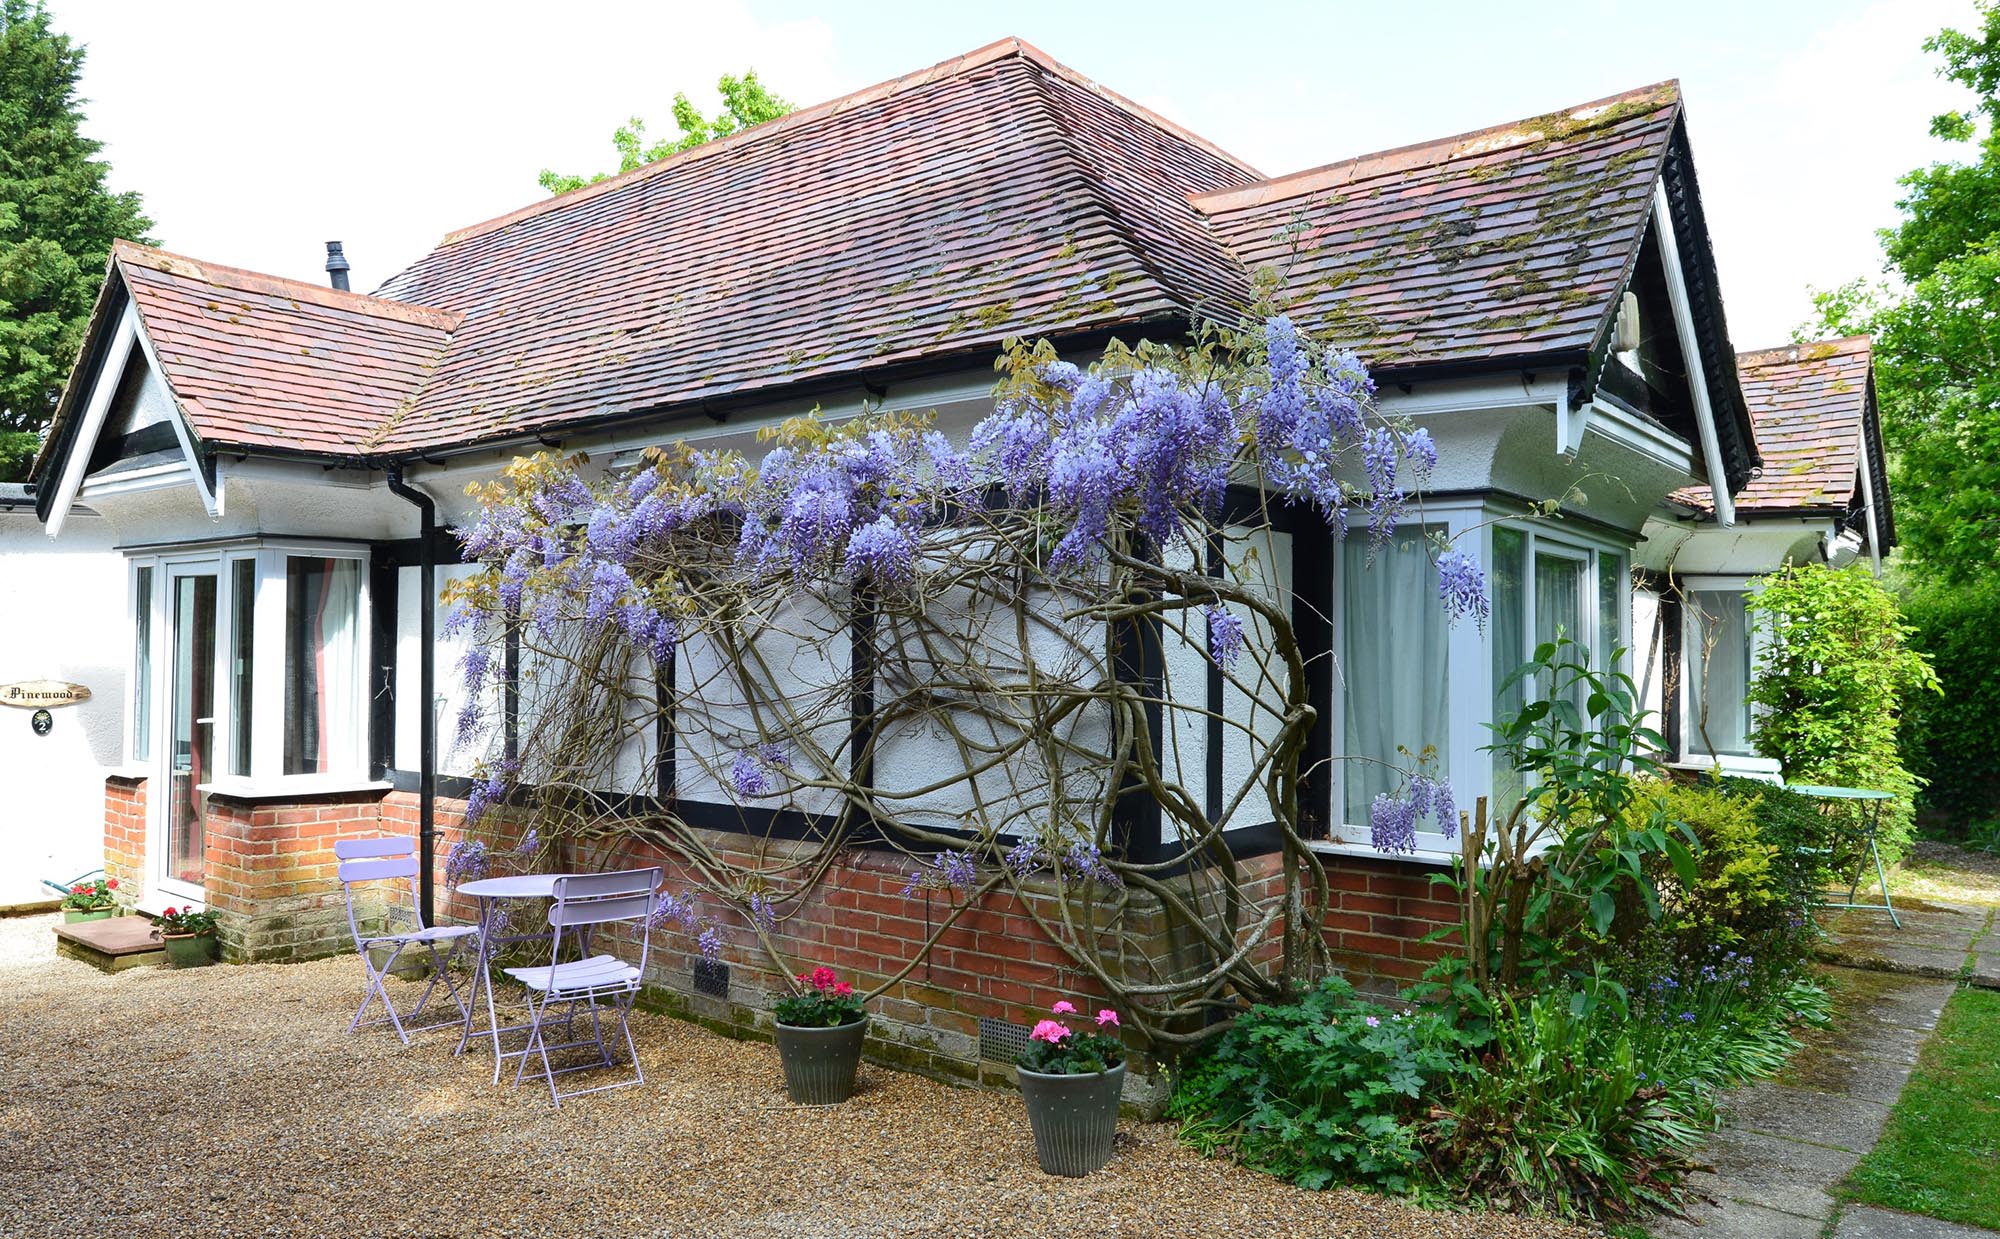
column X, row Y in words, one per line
column 1107, row 1018
column 1063, row 1008
column 1055, row 1032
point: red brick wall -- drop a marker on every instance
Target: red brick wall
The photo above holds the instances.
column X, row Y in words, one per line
column 1379, row 913
column 125, row 833
column 272, row 876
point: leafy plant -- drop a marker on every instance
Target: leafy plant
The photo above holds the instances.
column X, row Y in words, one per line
column 1547, row 878
column 822, row 1000
column 1056, row 1049
column 90, row 896
column 175, row 922
column 1328, row 1089
column 1831, row 682
column 1560, row 1115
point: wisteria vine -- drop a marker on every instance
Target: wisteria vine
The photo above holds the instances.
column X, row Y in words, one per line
column 1001, row 579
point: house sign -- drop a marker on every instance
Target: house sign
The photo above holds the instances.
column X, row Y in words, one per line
column 42, row 694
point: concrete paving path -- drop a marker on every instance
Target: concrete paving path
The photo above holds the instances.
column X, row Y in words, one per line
column 1788, row 1142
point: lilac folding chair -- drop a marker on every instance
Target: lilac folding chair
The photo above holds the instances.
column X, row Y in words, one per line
column 389, row 859
column 583, row 903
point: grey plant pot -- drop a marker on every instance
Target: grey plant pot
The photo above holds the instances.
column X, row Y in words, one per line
column 820, row 1062
column 1073, row 1117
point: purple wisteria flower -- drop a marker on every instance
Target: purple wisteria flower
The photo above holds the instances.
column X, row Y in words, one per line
column 709, row 943
column 1082, row 860
column 529, row 844
column 467, row 861
column 1462, row 587
column 1025, row 857
column 763, row 912
column 882, row 550
column 950, row 870
column 748, row 777
column 1225, row 636
column 1392, row 824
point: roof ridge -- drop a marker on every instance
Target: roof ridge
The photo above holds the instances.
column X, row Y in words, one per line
column 1836, row 343
column 1432, row 151
column 979, row 57
column 153, row 258
column 1094, row 186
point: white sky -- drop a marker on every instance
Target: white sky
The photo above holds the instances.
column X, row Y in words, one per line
column 257, row 131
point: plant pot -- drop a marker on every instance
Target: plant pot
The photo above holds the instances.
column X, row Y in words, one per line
column 189, row 950
column 72, row 915
column 1073, row 1118
column 820, row 1062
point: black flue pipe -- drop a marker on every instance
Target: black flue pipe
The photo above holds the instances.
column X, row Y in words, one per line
column 426, row 692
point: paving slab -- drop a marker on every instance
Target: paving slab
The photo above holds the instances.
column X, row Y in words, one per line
column 1867, row 1222
column 1913, row 1004
column 1772, row 1173
column 1804, row 1115
column 1732, row 1220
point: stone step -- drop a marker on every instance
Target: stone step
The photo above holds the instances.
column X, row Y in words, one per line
column 113, row 944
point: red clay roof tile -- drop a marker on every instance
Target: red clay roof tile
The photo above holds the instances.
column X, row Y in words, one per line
column 1507, row 241
column 1808, row 402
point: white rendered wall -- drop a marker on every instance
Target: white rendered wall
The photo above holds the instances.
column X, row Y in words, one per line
column 62, row 617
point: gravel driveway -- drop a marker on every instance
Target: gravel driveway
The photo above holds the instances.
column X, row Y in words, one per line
column 229, row 1101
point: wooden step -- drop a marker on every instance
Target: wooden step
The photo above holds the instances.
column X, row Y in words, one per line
column 113, row 944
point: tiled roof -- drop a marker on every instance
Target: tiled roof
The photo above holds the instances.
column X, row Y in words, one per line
column 1809, row 403
column 991, row 196
column 1508, row 241
column 274, row 363
column 920, row 221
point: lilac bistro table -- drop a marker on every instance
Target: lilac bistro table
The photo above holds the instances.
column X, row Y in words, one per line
column 491, row 893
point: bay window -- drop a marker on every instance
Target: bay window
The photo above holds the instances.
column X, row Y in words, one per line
column 283, row 695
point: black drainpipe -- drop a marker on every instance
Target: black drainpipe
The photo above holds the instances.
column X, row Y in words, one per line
column 426, row 692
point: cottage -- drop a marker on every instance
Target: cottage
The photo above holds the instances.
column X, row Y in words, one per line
column 280, row 463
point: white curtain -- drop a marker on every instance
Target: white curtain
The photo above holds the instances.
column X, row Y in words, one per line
column 1393, row 665
column 322, row 665
column 1716, row 658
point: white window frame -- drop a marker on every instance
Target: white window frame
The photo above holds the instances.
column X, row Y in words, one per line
column 1749, row 586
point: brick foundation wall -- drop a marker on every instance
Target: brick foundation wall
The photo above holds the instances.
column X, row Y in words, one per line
column 272, row 878
column 272, row 875
column 1378, row 916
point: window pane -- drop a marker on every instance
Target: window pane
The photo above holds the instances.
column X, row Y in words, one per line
column 1610, row 607
column 142, row 666
column 322, row 665
column 1559, row 611
column 1510, row 644
column 1717, row 662
column 243, row 610
column 1393, row 664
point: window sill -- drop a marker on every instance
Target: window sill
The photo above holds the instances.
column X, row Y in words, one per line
column 1432, row 851
column 292, row 787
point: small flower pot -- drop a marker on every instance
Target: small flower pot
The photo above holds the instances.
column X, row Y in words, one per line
column 1073, row 1117
column 72, row 915
column 820, row 1063
column 189, row 950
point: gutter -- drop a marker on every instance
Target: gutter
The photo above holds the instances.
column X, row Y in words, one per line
column 426, row 692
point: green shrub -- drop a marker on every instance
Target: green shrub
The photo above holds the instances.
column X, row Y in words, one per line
column 1832, row 681
column 1325, row 1090
column 1951, row 740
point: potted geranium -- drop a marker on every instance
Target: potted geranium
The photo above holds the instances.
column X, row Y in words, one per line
column 189, row 936
column 90, row 901
column 821, row 1026
column 1071, row 1080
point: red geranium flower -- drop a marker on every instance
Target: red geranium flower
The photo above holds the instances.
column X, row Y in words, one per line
column 112, row 883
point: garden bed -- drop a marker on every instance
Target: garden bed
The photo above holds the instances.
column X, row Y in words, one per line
column 232, row 1101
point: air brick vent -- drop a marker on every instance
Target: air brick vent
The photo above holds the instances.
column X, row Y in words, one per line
column 711, row 978
column 1001, row 1042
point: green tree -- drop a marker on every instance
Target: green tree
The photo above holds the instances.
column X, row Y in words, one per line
column 57, row 221
column 1937, row 336
column 745, row 102
column 1833, row 681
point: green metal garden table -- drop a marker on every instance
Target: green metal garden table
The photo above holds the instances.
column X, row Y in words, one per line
column 1868, row 807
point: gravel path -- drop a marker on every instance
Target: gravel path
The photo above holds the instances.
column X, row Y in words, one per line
column 229, row 1101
